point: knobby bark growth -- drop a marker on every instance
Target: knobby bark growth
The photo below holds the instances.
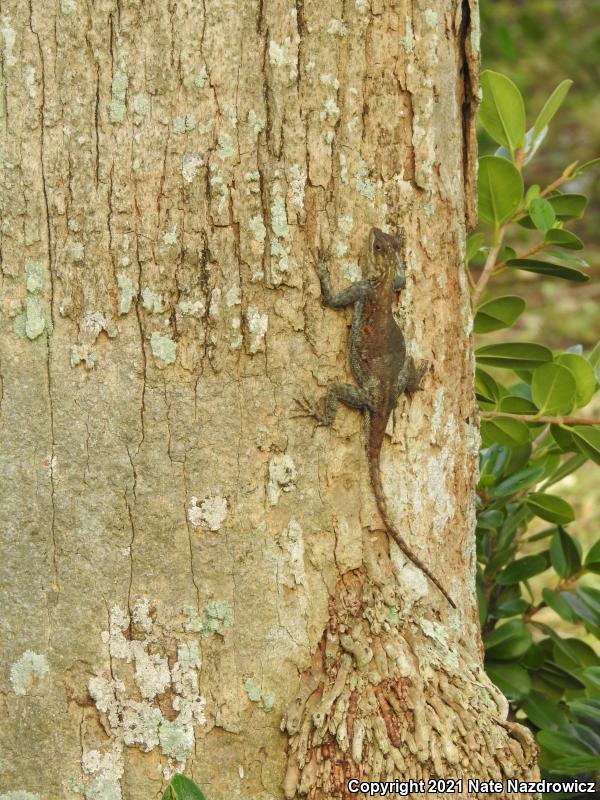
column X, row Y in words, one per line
column 193, row 578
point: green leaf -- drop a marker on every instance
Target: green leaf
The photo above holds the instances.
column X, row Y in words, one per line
column 512, row 404
column 499, row 313
column 567, row 467
column 590, row 596
column 182, row 788
column 566, row 206
column 521, row 570
column 594, row 356
column 502, row 111
column 494, row 460
column 513, row 355
column 486, row 388
column 575, row 765
column 512, row 680
column 548, row 268
column 550, row 507
column 542, row 214
column 573, row 654
column 589, row 710
column 553, row 389
column 490, row 519
column 561, row 743
column 586, row 165
column 569, row 259
column 563, row 438
column 585, row 380
column 587, row 439
column 564, row 553
column 559, row 605
column 582, row 609
column 500, row 188
column 504, row 430
column 507, row 641
column 591, row 675
column 584, row 732
column 511, row 608
column 519, row 456
column 542, row 713
column 592, row 560
column 550, row 107
column 474, row 245
column 517, row 481
column 533, row 143
column 564, row 238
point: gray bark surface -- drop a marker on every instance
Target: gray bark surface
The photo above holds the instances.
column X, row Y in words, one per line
column 193, row 578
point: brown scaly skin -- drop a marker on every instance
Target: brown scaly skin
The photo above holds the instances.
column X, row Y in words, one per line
column 378, row 360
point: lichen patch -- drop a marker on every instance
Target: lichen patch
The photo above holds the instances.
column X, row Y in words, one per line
column 283, row 477
column 141, row 723
column 27, row 671
column 210, row 513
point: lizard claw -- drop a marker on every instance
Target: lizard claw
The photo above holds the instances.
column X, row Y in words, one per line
column 308, row 408
column 416, row 375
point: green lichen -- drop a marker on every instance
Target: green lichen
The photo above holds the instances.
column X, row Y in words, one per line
column 67, row 7
column 170, row 237
column 257, row 228
column 35, row 317
column 176, row 738
column 216, row 617
column 163, row 348
column 279, row 223
column 76, row 356
column 26, row 669
column 257, row 123
column 226, row 146
column 267, row 699
column 363, row 185
column 127, row 292
column 392, row 616
column 103, row 789
column 19, row 326
column 201, row 77
column 188, row 655
column 183, row 124
column 19, row 795
column 116, row 108
column 35, row 280
column 192, row 309
column 152, row 301
column 252, row 691
column 141, row 104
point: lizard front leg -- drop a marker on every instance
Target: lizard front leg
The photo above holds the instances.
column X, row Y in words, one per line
column 347, row 297
column 346, row 393
column 410, row 377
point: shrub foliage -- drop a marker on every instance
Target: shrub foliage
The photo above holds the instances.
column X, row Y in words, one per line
column 539, row 612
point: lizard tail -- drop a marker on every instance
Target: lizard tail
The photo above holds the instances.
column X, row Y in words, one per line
column 375, row 475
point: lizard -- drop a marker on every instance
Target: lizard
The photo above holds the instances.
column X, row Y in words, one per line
column 379, row 362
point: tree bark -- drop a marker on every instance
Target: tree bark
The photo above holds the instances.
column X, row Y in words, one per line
column 193, row 578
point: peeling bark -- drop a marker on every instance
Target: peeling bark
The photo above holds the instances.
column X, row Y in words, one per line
column 192, row 577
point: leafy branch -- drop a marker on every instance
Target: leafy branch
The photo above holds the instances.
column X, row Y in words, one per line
column 533, row 436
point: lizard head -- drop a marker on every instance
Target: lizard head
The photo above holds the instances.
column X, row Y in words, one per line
column 385, row 258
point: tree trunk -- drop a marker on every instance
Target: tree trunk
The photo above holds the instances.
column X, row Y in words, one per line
column 193, row 577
